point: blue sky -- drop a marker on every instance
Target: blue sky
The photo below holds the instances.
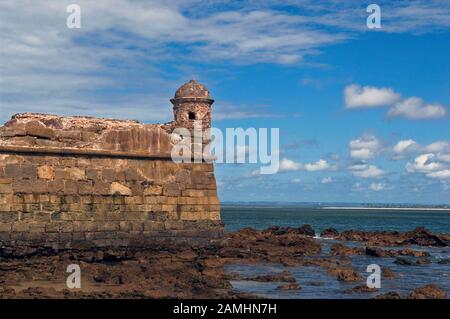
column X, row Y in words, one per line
column 368, row 110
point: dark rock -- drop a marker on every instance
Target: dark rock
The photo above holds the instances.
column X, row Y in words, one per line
column 361, row 289
column 419, row 236
column 423, row 237
column 341, row 250
column 379, row 252
column 291, row 286
column 387, row 273
column 389, row 295
column 284, row 276
column 403, row 261
column 428, row 292
column 306, row 230
column 329, row 233
column 423, row 261
column 345, row 274
column 414, row 253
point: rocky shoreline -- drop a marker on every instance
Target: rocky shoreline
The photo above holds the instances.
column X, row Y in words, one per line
column 198, row 272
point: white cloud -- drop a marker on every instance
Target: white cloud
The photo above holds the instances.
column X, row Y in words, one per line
column 444, row 158
column 290, row 165
column 415, row 108
column 365, row 147
column 320, row 165
column 439, row 146
column 443, row 174
column 326, row 180
column 376, row 187
column 296, row 181
column 404, row 146
column 368, row 96
column 423, row 163
column 366, row 171
column 46, row 67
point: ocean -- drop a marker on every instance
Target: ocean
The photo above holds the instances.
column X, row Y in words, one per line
column 314, row 281
column 237, row 217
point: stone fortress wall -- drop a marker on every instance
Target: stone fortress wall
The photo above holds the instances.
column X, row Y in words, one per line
column 81, row 182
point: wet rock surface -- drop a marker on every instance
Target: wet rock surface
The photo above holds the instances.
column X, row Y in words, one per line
column 428, row 292
column 198, row 272
column 419, row 236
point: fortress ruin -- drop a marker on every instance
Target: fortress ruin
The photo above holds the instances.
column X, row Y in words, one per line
column 81, row 182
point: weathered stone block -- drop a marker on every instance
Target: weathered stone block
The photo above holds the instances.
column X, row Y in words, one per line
column 45, row 172
column 5, row 227
column 153, row 190
column 92, row 173
column 119, row 189
column 102, row 188
column 172, row 189
column 76, row 173
column 108, row 226
column 22, row 186
column 37, row 129
column 6, row 180
column 153, row 225
column 85, row 187
column 55, row 186
column 70, row 187
column 132, row 174
column 108, row 175
column 6, row 189
column 12, row 170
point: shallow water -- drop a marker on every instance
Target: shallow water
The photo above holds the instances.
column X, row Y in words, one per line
column 314, row 281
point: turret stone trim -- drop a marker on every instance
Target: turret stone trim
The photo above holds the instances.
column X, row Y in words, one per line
column 82, row 182
column 192, row 102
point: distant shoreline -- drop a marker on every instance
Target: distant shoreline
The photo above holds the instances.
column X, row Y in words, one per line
column 385, row 208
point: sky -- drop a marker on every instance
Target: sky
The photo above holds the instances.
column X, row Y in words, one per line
column 363, row 113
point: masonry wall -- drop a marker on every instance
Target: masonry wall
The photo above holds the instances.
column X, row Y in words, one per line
column 81, row 201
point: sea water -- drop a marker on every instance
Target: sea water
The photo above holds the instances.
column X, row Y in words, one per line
column 314, row 281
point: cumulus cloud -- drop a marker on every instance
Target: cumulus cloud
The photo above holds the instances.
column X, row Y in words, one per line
column 438, row 146
column 404, row 147
column 326, row 180
column 366, row 171
column 368, row 96
column 444, row 158
column 415, row 108
column 443, row 174
column 365, row 147
column 290, row 165
column 320, row 165
column 423, row 163
column 431, row 165
column 412, row 108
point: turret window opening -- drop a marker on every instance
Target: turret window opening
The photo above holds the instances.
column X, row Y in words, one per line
column 191, row 115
